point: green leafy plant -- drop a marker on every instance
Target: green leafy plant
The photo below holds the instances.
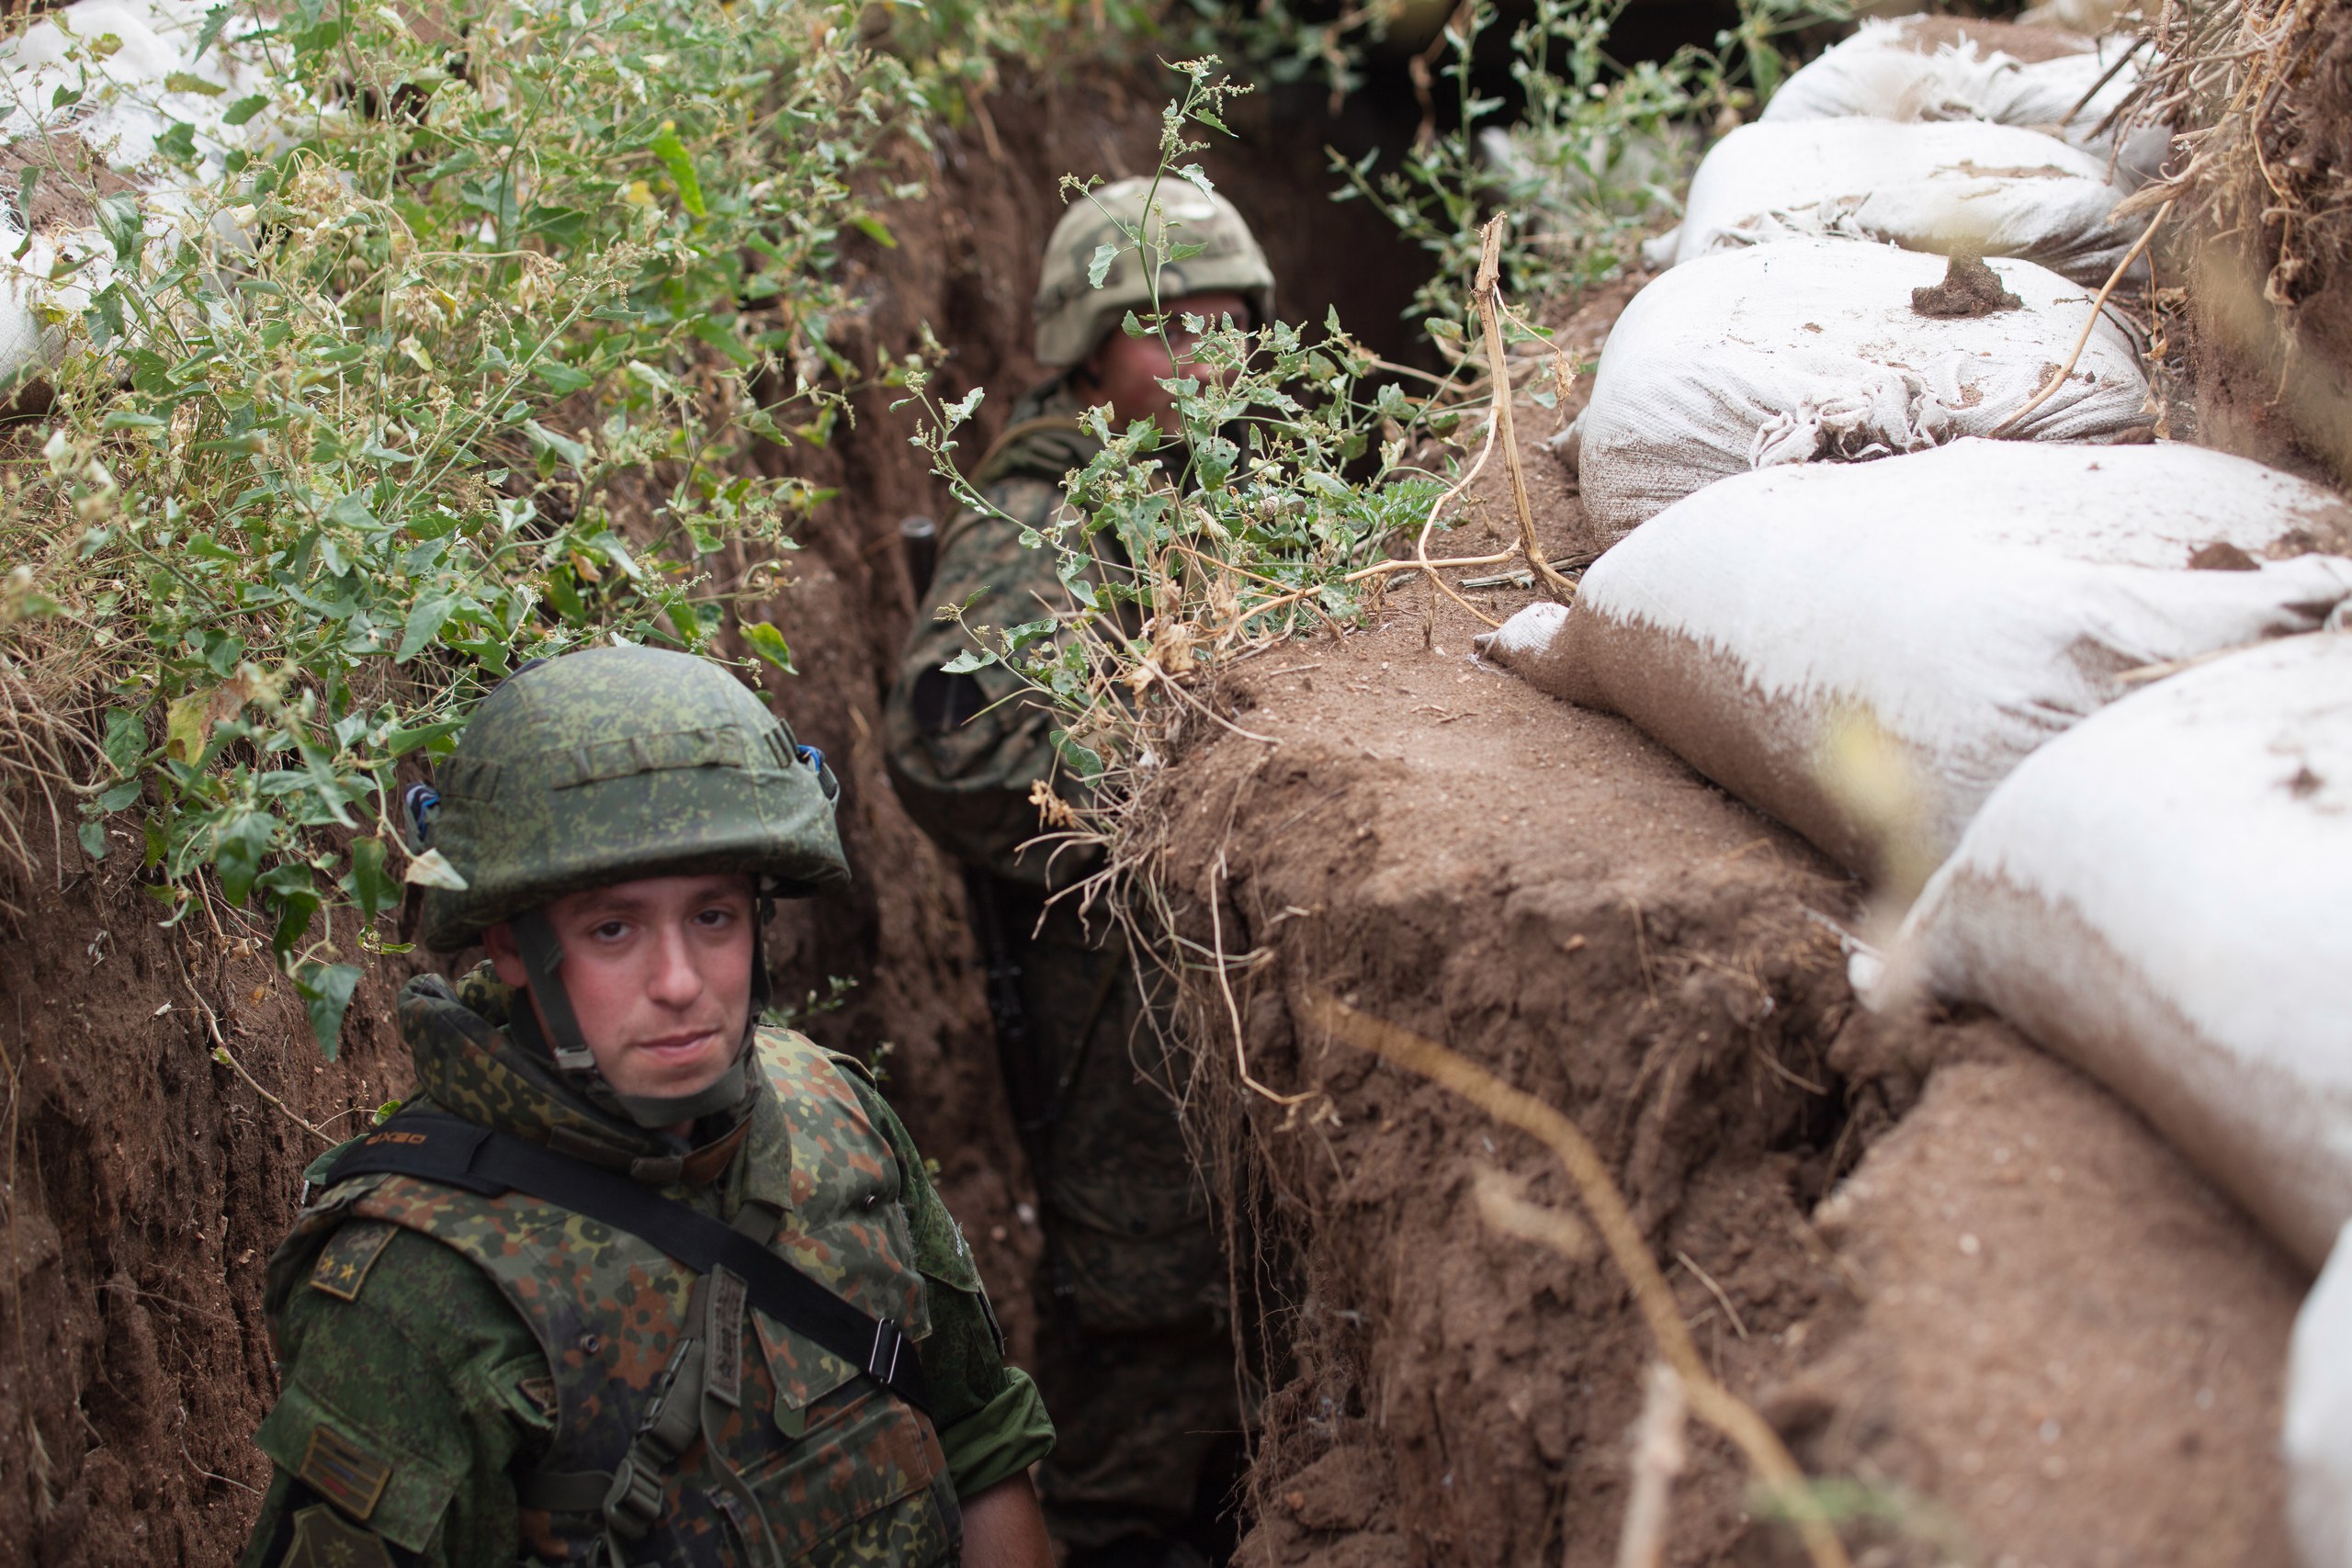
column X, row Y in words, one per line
column 1264, row 510
column 1597, row 155
column 460, row 368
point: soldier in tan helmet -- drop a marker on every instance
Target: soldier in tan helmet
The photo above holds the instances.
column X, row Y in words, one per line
column 1136, row 1356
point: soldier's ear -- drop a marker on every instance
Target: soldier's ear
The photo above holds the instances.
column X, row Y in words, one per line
column 504, row 957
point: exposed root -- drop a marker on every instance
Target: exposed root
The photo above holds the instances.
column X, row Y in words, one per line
column 1714, row 1405
column 1659, row 1457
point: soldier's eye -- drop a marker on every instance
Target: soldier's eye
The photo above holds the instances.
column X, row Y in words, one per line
column 610, row 930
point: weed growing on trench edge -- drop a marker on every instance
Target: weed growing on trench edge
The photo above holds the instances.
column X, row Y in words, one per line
column 436, row 351
column 409, row 351
column 1265, row 511
column 1599, row 153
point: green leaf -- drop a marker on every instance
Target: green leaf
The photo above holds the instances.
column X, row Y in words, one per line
column 769, row 644
column 214, row 20
column 401, row 742
column 1083, row 760
column 178, row 142
column 295, row 912
column 873, row 229
column 121, row 795
column 182, row 82
column 680, row 164
column 237, row 847
column 372, row 889
column 93, row 835
column 547, row 441
column 964, row 663
column 1099, row 267
column 126, row 741
column 325, row 990
column 118, row 220
column 244, row 110
column 425, row 620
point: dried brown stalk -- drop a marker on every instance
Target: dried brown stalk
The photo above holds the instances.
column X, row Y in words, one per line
column 1713, row 1404
column 1489, row 291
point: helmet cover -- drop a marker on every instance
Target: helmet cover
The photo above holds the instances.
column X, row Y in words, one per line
column 613, row 765
column 1072, row 315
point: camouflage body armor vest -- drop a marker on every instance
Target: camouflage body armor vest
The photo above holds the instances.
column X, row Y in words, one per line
column 738, row 1448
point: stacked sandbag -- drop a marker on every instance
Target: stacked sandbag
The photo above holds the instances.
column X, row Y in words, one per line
column 2318, row 1438
column 136, row 68
column 1866, row 650
column 1831, row 350
column 1949, row 188
column 1924, row 69
column 2159, row 897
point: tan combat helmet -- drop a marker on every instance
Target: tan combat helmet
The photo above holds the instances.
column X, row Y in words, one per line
column 1072, row 315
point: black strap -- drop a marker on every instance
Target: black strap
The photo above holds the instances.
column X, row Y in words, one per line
column 439, row 1147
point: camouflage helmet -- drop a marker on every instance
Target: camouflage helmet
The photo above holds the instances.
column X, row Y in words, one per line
column 616, row 763
column 1071, row 314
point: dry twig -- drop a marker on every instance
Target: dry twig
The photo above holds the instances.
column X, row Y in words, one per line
column 1714, row 1405
column 2089, row 326
column 1489, row 291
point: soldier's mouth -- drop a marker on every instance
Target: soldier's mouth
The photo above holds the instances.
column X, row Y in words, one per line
column 677, row 1047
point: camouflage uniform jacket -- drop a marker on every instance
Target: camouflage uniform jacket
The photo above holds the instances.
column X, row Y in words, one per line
column 444, row 1352
column 966, row 749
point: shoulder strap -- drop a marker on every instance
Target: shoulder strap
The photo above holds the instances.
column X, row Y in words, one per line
column 448, row 1149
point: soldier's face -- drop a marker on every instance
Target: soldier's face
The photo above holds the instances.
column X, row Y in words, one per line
column 1128, row 370
column 660, row 975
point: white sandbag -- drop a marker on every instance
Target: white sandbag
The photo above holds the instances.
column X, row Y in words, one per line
column 1944, row 187
column 2159, row 897
column 1814, row 351
column 1923, row 69
column 134, row 66
column 1866, row 650
column 2318, row 1437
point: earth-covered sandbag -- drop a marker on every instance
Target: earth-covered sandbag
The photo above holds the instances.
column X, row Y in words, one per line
column 2318, row 1438
column 1866, row 650
column 2159, row 897
column 135, row 67
column 1948, row 187
column 1921, row 68
column 1833, row 350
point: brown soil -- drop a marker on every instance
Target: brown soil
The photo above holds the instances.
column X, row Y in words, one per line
column 2264, row 245
column 145, row 1185
column 2018, row 1322
column 2030, row 45
column 1968, row 288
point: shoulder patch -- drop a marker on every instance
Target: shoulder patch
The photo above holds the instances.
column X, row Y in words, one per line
column 344, row 1474
column 324, row 1538
column 344, row 1262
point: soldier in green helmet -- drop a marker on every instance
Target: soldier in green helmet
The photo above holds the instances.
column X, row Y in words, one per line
column 633, row 1278
column 1136, row 1356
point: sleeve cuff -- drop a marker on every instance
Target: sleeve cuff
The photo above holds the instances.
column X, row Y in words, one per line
column 1000, row 1439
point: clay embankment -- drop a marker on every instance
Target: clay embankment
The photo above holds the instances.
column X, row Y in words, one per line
column 1944, row 1265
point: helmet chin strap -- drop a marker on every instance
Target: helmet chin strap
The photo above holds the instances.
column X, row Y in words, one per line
column 542, row 954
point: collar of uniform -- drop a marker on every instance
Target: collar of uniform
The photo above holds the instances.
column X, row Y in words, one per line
column 1045, row 437
column 468, row 1062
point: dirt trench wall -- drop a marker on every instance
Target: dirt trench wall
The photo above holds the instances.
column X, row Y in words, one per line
column 146, row 1184
column 1956, row 1276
